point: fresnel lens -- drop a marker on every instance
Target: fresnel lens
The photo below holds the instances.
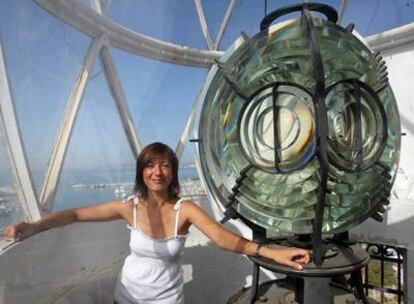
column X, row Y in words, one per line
column 299, row 130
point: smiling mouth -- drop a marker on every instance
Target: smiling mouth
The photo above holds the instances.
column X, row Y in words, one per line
column 158, row 181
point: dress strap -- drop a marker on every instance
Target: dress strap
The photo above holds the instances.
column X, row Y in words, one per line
column 177, row 208
column 134, row 211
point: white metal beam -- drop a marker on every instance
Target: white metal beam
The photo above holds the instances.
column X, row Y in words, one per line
column 195, row 112
column 96, row 5
column 122, row 105
column 203, row 24
column 107, row 6
column 223, row 26
column 398, row 37
column 86, row 20
column 14, row 147
column 118, row 93
column 342, row 9
column 182, row 142
column 50, row 183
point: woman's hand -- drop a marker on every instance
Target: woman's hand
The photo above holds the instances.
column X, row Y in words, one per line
column 20, row 231
column 289, row 256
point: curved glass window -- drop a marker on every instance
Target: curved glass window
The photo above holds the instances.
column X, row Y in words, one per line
column 379, row 16
column 10, row 207
column 170, row 20
column 43, row 56
column 99, row 165
column 161, row 95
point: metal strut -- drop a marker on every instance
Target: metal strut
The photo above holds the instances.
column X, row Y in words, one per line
column 356, row 111
column 321, row 131
column 276, row 139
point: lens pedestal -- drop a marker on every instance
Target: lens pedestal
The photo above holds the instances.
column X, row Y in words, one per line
column 336, row 281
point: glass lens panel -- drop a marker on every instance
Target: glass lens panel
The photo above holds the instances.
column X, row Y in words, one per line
column 239, row 135
column 258, row 130
column 247, row 17
column 357, row 126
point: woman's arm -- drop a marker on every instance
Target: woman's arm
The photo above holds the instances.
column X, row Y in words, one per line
column 101, row 212
column 293, row 257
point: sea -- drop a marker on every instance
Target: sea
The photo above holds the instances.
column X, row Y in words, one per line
column 82, row 188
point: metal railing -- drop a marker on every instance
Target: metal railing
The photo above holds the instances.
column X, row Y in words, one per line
column 384, row 277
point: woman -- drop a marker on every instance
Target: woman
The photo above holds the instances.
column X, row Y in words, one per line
column 159, row 223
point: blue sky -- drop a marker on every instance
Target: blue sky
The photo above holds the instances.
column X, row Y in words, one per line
column 44, row 55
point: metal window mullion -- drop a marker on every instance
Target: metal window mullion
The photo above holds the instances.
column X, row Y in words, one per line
column 203, row 24
column 50, row 183
column 223, row 26
column 194, row 114
column 91, row 23
column 188, row 126
column 118, row 93
column 96, row 5
column 342, row 9
column 121, row 103
column 15, row 149
column 107, row 6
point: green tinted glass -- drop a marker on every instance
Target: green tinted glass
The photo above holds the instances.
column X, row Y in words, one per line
column 258, row 129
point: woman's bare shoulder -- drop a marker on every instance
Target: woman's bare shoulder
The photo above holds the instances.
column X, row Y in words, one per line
column 124, row 205
column 191, row 207
column 128, row 201
column 186, row 203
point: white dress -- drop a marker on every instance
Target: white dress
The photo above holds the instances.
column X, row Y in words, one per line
column 152, row 273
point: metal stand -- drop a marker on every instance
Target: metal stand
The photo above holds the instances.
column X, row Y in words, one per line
column 324, row 284
column 310, row 290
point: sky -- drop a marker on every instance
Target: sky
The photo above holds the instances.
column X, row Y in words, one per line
column 43, row 56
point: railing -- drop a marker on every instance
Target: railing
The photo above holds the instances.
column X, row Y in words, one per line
column 383, row 277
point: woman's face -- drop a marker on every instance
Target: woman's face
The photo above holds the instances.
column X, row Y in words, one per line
column 157, row 174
